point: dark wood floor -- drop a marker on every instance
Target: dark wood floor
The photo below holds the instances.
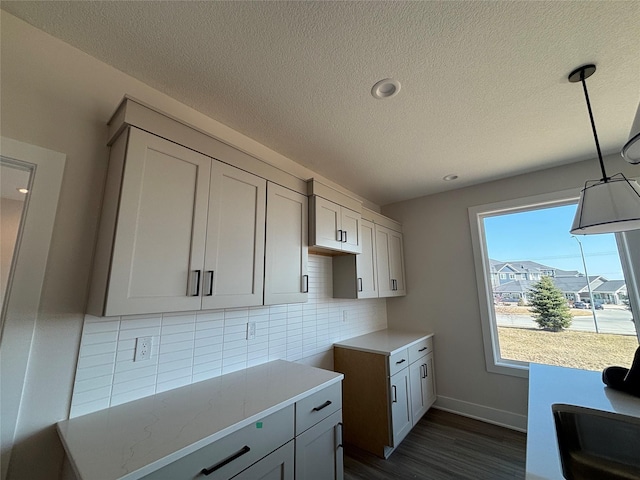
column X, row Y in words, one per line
column 445, row 446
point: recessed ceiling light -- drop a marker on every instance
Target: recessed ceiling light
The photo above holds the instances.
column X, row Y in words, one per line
column 448, row 178
column 386, row 88
column 23, row 190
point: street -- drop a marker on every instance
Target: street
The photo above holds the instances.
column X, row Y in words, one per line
column 610, row 320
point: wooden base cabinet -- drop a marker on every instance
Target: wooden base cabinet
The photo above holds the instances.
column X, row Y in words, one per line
column 388, row 385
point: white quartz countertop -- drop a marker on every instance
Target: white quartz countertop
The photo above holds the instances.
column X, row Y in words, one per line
column 134, row 439
column 549, row 385
column 385, row 342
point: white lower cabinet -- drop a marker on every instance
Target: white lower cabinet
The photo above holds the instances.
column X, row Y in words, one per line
column 400, row 409
column 278, row 465
column 422, row 379
column 302, row 442
column 225, row 458
column 319, row 452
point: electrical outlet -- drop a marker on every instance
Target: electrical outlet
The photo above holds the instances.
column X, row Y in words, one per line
column 344, row 316
column 251, row 330
column 143, row 349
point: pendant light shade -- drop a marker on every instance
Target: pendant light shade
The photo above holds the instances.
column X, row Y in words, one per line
column 631, row 149
column 611, row 204
column 607, row 207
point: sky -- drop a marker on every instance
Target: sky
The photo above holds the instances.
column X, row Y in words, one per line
column 543, row 236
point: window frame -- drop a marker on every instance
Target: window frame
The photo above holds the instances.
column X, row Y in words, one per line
column 494, row 362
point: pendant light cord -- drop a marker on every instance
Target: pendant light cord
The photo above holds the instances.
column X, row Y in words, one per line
column 593, row 127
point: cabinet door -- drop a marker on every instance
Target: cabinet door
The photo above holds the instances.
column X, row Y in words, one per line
column 396, row 258
column 389, row 262
column 319, row 453
column 383, row 262
column 160, row 232
column 351, row 234
column 367, row 283
column 418, row 393
column 286, row 254
column 278, row 465
column 429, row 381
column 326, row 221
column 234, row 263
column 400, row 408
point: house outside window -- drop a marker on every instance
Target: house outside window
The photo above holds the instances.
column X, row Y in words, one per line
column 551, row 251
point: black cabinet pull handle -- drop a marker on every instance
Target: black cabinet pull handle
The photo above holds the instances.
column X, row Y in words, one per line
column 359, row 284
column 339, row 235
column 305, row 284
column 345, row 237
column 426, row 371
column 395, row 394
column 226, row 461
column 339, row 442
column 210, row 290
column 401, row 361
column 198, row 274
column 320, row 407
column 422, row 349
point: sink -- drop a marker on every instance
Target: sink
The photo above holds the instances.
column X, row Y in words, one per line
column 595, row 444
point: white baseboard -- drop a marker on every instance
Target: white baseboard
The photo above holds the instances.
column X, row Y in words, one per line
column 511, row 420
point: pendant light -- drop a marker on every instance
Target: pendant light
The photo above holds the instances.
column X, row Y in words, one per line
column 611, row 204
column 631, row 150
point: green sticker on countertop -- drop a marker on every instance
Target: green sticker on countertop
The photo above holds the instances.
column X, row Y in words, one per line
column 258, row 424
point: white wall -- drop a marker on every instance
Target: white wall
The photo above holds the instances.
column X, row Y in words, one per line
column 54, row 96
column 442, row 292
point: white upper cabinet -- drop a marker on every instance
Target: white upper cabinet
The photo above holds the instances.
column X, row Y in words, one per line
column 354, row 276
column 333, row 226
column 389, row 262
column 149, row 246
column 234, row 261
column 179, row 231
column 286, row 277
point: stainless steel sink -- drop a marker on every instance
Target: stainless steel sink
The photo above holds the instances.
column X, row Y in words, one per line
column 597, row 445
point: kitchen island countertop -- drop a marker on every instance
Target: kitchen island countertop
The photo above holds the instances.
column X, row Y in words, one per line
column 548, row 385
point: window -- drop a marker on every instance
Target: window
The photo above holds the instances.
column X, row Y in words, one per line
column 503, row 276
column 512, row 276
column 537, row 230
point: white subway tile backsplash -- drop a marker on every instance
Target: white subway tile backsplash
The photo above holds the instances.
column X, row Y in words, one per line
column 98, row 348
column 132, row 395
column 195, row 346
column 97, row 371
column 173, row 383
column 128, row 322
column 127, row 375
column 136, row 383
column 95, row 360
column 134, row 333
column 90, row 407
column 94, row 326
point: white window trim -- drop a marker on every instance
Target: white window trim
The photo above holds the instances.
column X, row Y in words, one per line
column 494, row 362
column 627, row 243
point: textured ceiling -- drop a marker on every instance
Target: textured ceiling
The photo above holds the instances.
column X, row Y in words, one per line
column 484, row 92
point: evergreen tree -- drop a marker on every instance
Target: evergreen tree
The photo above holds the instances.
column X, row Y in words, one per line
column 549, row 306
